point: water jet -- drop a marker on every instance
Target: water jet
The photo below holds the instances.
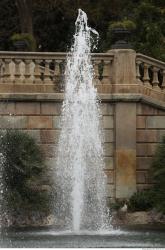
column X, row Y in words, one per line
column 80, row 180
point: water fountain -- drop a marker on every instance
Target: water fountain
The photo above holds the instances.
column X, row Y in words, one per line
column 80, row 182
column 80, row 179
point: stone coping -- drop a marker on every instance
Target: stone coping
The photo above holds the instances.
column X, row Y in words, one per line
column 58, row 97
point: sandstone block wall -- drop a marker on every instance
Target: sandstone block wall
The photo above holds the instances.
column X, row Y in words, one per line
column 41, row 119
column 149, row 132
column 132, row 131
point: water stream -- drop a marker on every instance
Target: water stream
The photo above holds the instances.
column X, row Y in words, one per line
column 80, row 179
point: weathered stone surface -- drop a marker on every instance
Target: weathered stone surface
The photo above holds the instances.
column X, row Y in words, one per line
column 135, row 218
column 126, row 125
column 56, row 122
column 143, row 109
column 125, row 74
column 108, row 122
column 49, row 136
column 109, row 162
column 26, row 108
column 143, row 163
column 108, row 135
column 107, row 109
column 146, row 149
column 147, row 135
column 51, row 108
column 141, row 122
column 155, row 122
column 14, row 122
column 110, row 177
column 28, row 88
column 110, row 190
column 7, row 108
column 108, row 149
column 141, row 177
column 39, row 122
column 125, row 173
column 125, row 149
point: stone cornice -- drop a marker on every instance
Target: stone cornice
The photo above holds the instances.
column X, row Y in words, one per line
column 58, row 97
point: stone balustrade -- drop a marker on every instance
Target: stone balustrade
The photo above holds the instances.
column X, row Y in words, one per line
column 150, row 72
column 118, row 71
column 47, row 68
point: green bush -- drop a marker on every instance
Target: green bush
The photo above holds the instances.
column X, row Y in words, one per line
column 158, row 175
column 23, row 163
column 28, row 38
column 125, row 24
column 141, row 201
column 116, row 205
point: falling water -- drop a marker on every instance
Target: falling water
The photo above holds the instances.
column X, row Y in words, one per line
column 80, row 180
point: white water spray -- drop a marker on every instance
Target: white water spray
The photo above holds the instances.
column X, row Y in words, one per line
column 80, row 179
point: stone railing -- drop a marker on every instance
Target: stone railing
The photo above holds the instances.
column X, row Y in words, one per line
column 118, row 71
column 47, row 68
column 150, row 72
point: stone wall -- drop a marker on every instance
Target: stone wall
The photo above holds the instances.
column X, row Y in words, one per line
column 150, row 129
column 41, row 119
column 132, row 130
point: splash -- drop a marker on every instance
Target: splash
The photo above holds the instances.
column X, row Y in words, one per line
column 80, row 179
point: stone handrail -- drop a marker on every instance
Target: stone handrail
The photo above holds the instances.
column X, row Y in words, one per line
column 150, row 72
column 47, row 68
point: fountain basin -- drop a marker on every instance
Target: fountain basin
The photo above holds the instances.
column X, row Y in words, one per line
column 137, row 236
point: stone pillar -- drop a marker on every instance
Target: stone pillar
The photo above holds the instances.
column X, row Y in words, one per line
column 124, row 66
column 125, row 154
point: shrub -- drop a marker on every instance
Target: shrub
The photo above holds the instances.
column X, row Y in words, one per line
column 125, row 24
column 116, row 205
column 23, row 162
column 141, row 201
column 158, row 175
column 28, row 38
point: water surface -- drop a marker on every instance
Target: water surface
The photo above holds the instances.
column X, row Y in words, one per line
column 47, row 238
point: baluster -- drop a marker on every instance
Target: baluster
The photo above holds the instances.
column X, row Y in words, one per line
column 1, row 71
column 163, row 81
column 106, row 72
column 56, row 76
column 62, row 66
column 47, row 74
column 138, row 72
column 7, row 74
column 37, row 71
column 146, row 76
column 155, row 81
column 96, row 72
column 27, row 73
column 57, row 70
column 17, row 71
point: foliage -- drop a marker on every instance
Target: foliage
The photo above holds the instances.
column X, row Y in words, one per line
column 158, row 174
column 150, row 34
column 141, row 201
column 53, row 23
column 116, row 205
column 28, row 38
column 23, row 162
column 9, row 23
column 125, row 24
